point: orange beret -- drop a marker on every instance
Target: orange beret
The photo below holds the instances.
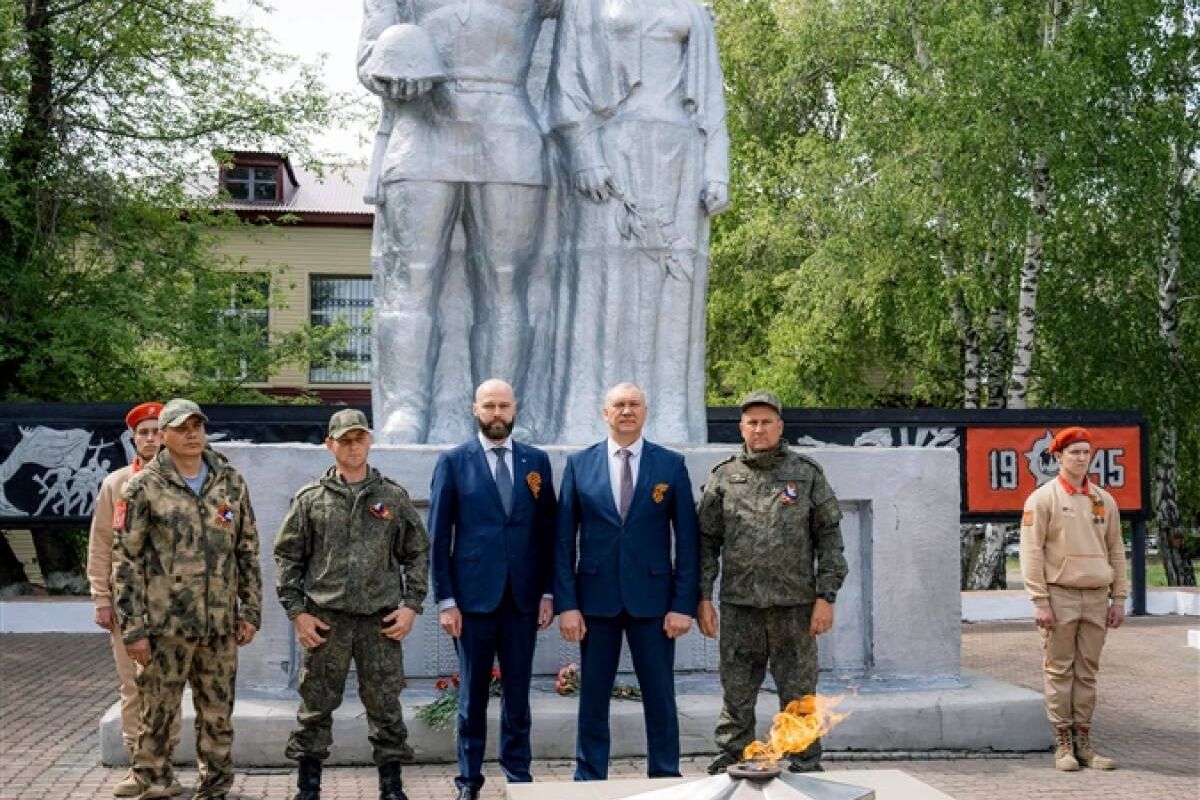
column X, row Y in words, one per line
column 140, row 413
column 1069, row 436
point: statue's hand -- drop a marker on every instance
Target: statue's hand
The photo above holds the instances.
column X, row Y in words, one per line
column 715, row 197
column 402, row 89
column 596, row 183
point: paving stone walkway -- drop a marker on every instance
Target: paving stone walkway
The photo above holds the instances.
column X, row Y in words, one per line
column 54, row 687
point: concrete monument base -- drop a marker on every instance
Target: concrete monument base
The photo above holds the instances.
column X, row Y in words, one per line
column 888, row 784
column 975, row 713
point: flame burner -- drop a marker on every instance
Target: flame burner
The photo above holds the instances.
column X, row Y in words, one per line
column 755, row 771
column 750, row 780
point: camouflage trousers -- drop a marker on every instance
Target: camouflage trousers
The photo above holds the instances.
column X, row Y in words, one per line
column 379, row 662
column 210, row 666
column 752, row 639
column 131, row 703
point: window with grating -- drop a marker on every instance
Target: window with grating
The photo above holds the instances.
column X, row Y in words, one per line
column 348, row 301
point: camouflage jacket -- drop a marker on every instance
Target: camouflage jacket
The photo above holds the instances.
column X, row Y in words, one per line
column 767, row 517
column 185, row 565
column 357, row 553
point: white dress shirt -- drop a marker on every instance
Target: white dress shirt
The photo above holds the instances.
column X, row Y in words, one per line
column 489, row 454
column 615, row 463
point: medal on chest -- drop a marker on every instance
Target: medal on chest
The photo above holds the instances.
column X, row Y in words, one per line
column 381, row 511
column 224, row 515
column 789, row 494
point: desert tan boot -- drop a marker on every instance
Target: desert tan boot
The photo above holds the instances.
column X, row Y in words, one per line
column 1064, row 751
column 133, row 786
column 1085, row 754
column 130, row 786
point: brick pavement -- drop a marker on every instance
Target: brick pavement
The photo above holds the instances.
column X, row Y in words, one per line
column 54, row 687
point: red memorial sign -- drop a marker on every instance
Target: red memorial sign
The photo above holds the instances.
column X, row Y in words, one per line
column 1003, row 465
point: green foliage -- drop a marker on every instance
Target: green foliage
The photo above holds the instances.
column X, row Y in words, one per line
column 111, row 284
column 881, row 168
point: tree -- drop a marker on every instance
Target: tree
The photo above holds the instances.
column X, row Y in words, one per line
column 110, row 283
column 933, row 203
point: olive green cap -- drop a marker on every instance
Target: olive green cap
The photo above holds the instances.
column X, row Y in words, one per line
column 761, row 397
column 346, row 420
column 177, row 411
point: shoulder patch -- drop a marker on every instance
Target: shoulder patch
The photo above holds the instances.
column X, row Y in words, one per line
column 1027, row 518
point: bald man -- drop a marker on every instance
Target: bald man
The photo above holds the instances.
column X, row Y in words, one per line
column 491, row 519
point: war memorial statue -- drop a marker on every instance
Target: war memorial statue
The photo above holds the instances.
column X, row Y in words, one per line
column 610, row 181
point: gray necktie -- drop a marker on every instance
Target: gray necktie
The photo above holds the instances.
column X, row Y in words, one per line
column 503, row 481
column 626, row 482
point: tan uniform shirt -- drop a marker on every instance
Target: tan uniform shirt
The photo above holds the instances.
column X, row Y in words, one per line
column 100, row 538
column 1072, row 538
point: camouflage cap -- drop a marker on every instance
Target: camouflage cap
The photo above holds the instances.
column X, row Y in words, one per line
column 761, row 397
column 346, row 420
column 177, row 411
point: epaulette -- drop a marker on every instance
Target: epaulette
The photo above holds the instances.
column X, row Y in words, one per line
column 394, row 482
column 306, row 488
column 723, row 462
column 133, row 484
column 812, row 462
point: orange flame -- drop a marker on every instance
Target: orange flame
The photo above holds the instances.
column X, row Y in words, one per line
column 796, row 727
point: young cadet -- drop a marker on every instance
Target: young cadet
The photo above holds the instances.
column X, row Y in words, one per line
column 1073, row 565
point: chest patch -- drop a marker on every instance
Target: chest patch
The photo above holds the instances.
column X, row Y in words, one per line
column 737, row 477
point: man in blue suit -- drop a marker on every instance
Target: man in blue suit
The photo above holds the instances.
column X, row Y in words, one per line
column 491, row 519
column 622, row 499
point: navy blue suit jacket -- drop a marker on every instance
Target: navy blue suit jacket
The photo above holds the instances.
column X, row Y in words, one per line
column 626, row 566
column 476, row 548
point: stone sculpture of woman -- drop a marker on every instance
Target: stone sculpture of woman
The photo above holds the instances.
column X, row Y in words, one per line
column 635, row 98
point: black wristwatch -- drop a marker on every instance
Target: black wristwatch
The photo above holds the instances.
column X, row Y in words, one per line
column 828, row 597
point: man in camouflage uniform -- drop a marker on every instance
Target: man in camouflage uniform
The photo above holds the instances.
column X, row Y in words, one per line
column 188, row 593
column 142, row 421
column 353, row 563
column 767, row 514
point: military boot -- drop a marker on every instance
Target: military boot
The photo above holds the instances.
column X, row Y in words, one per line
column 1064, row 750
column 390, row 783
column 722, row 762
column 308, row 781
column 1085, row 754
column 133, row 786
column 174, row 787
column 130, row 786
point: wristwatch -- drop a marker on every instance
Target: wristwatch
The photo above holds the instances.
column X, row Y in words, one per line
column 828, row 597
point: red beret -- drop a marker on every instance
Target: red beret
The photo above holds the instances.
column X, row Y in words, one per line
column 1069, row 436
column 140, row 413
